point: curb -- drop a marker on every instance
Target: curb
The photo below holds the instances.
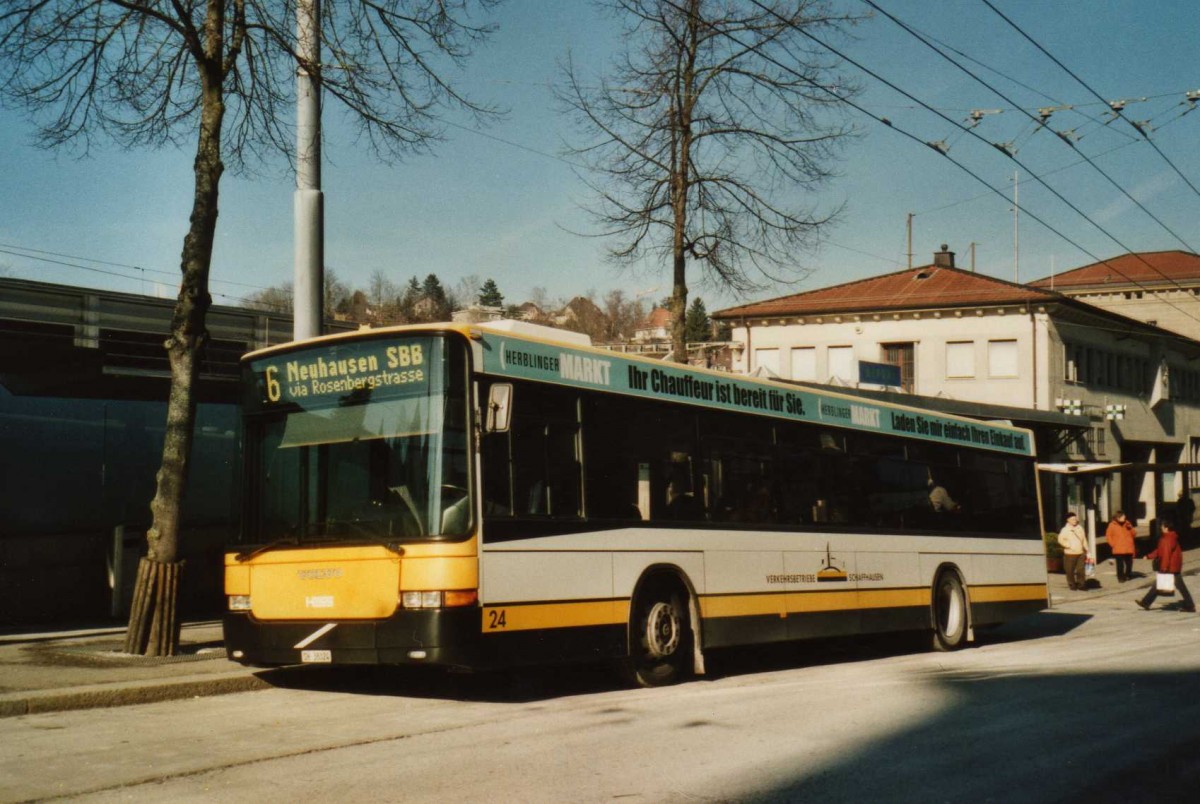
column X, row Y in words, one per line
column 126, row 694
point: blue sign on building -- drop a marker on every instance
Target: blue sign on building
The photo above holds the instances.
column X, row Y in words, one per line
column 878, row 373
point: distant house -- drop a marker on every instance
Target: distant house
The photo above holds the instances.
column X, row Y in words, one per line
column 654, row 327
column 1157, row 287
column 582, row 315
column 530, row 312
column 477, row 314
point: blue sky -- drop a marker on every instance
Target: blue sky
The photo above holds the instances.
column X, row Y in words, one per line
column 503, row 204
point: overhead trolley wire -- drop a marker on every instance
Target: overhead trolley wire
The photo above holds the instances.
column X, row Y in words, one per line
column 1040, row 123
column 1115, row 108
column 6, row 248
column 960, row 165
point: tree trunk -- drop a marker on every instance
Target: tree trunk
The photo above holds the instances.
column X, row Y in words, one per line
column 153, row 620
column 153, row 624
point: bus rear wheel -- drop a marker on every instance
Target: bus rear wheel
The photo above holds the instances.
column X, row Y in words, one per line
column 660, row 637
column 949, row 613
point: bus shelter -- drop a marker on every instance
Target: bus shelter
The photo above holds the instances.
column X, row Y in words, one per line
column 1084, row 488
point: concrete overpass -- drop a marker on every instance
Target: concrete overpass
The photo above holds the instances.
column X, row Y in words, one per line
column 63, row 341
column 85, row 380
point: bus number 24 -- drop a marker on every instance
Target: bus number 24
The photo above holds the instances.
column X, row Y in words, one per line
column 497, row 619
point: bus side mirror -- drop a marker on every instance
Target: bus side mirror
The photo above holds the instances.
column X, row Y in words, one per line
column 499, row 407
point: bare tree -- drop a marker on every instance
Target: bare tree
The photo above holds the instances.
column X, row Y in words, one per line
column 624, row 315
column 383, row 293
column 280, row 298
column 706, row 135
column 275, row 299
column 336, row 293
column 220, row 74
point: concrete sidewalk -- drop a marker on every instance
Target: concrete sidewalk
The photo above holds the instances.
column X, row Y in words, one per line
column 85, row 668
column 1104, row 583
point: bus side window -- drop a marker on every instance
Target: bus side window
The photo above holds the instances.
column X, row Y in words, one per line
column 544, row 462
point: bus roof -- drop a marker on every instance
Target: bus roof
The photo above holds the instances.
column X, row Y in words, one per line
column 541, row 354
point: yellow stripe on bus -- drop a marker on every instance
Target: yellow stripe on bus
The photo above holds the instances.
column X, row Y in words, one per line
column 802, row 602
column 533, row 616
column 1006, row 594
column 742, row 605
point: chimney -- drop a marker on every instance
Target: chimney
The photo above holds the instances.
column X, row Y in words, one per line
column 944, row 258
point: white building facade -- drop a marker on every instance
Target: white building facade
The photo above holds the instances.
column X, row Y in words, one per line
column 963, row 336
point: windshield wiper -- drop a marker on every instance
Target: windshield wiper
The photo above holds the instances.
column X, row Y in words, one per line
column 388, row 544
column 247, row 555
column 358, row 529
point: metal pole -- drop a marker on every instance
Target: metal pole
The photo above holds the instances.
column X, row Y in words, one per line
column 1016, row 229
column 910, row 251
column 309, row 242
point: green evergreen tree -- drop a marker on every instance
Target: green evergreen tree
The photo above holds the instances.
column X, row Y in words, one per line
column 408, row 302
column 437, row 303
column 490, row 295
column 697, row 326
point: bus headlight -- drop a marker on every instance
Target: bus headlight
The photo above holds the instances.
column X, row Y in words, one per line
column 239, row 602
column 421, row 600
column 439, row 599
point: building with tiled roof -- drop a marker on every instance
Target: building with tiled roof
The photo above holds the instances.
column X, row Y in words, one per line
column 654, row 327
column 1158, row 287
column 970, row 337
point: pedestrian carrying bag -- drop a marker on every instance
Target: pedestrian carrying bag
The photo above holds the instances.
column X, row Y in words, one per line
column 1165, row 583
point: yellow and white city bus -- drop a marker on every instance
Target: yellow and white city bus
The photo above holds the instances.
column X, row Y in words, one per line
column 485, row 495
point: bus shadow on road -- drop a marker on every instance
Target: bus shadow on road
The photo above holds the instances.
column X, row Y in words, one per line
column 838, row 650
column 526, row 684
column 520, row 685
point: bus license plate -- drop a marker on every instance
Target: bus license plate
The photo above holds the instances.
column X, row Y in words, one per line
column 307, row 656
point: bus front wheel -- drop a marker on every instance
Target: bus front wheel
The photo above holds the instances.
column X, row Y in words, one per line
column 660, row 637
column 949, row 613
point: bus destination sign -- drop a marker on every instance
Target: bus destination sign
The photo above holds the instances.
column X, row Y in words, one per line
column 333, row 371
column 567, row 366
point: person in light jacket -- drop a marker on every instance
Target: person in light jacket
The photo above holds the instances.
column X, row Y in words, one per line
column 1120, row 536
column 1170, row 559
column 1073, row 540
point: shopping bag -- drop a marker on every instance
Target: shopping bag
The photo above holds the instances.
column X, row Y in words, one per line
column 1165, row 583
column 1089, row 567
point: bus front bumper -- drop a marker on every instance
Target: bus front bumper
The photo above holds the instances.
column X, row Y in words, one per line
column 445, row 637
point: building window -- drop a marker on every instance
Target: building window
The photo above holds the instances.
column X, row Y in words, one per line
column 841, row 363
column 804, row 363
column 1002, row 358
column 1070, row 362
column 767, row 359
column 960, row 359
column 901, row 354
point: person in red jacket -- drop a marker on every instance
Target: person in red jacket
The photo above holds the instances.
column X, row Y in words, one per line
column 1170, row 559
column 1119, row 536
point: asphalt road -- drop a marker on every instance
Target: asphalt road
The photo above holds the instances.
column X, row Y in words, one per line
column 1094, row 701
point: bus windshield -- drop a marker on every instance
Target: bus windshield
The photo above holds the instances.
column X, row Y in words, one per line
column 359, row 441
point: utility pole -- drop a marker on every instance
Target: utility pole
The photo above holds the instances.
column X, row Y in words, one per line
column 309, row 207
column 910, row 251
column 972, row 256
column 1016, row 229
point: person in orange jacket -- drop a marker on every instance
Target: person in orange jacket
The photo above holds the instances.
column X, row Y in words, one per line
column 1119, row 536
column 1170, row 559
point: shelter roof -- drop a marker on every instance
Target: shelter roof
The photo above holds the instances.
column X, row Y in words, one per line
column 926, row 287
